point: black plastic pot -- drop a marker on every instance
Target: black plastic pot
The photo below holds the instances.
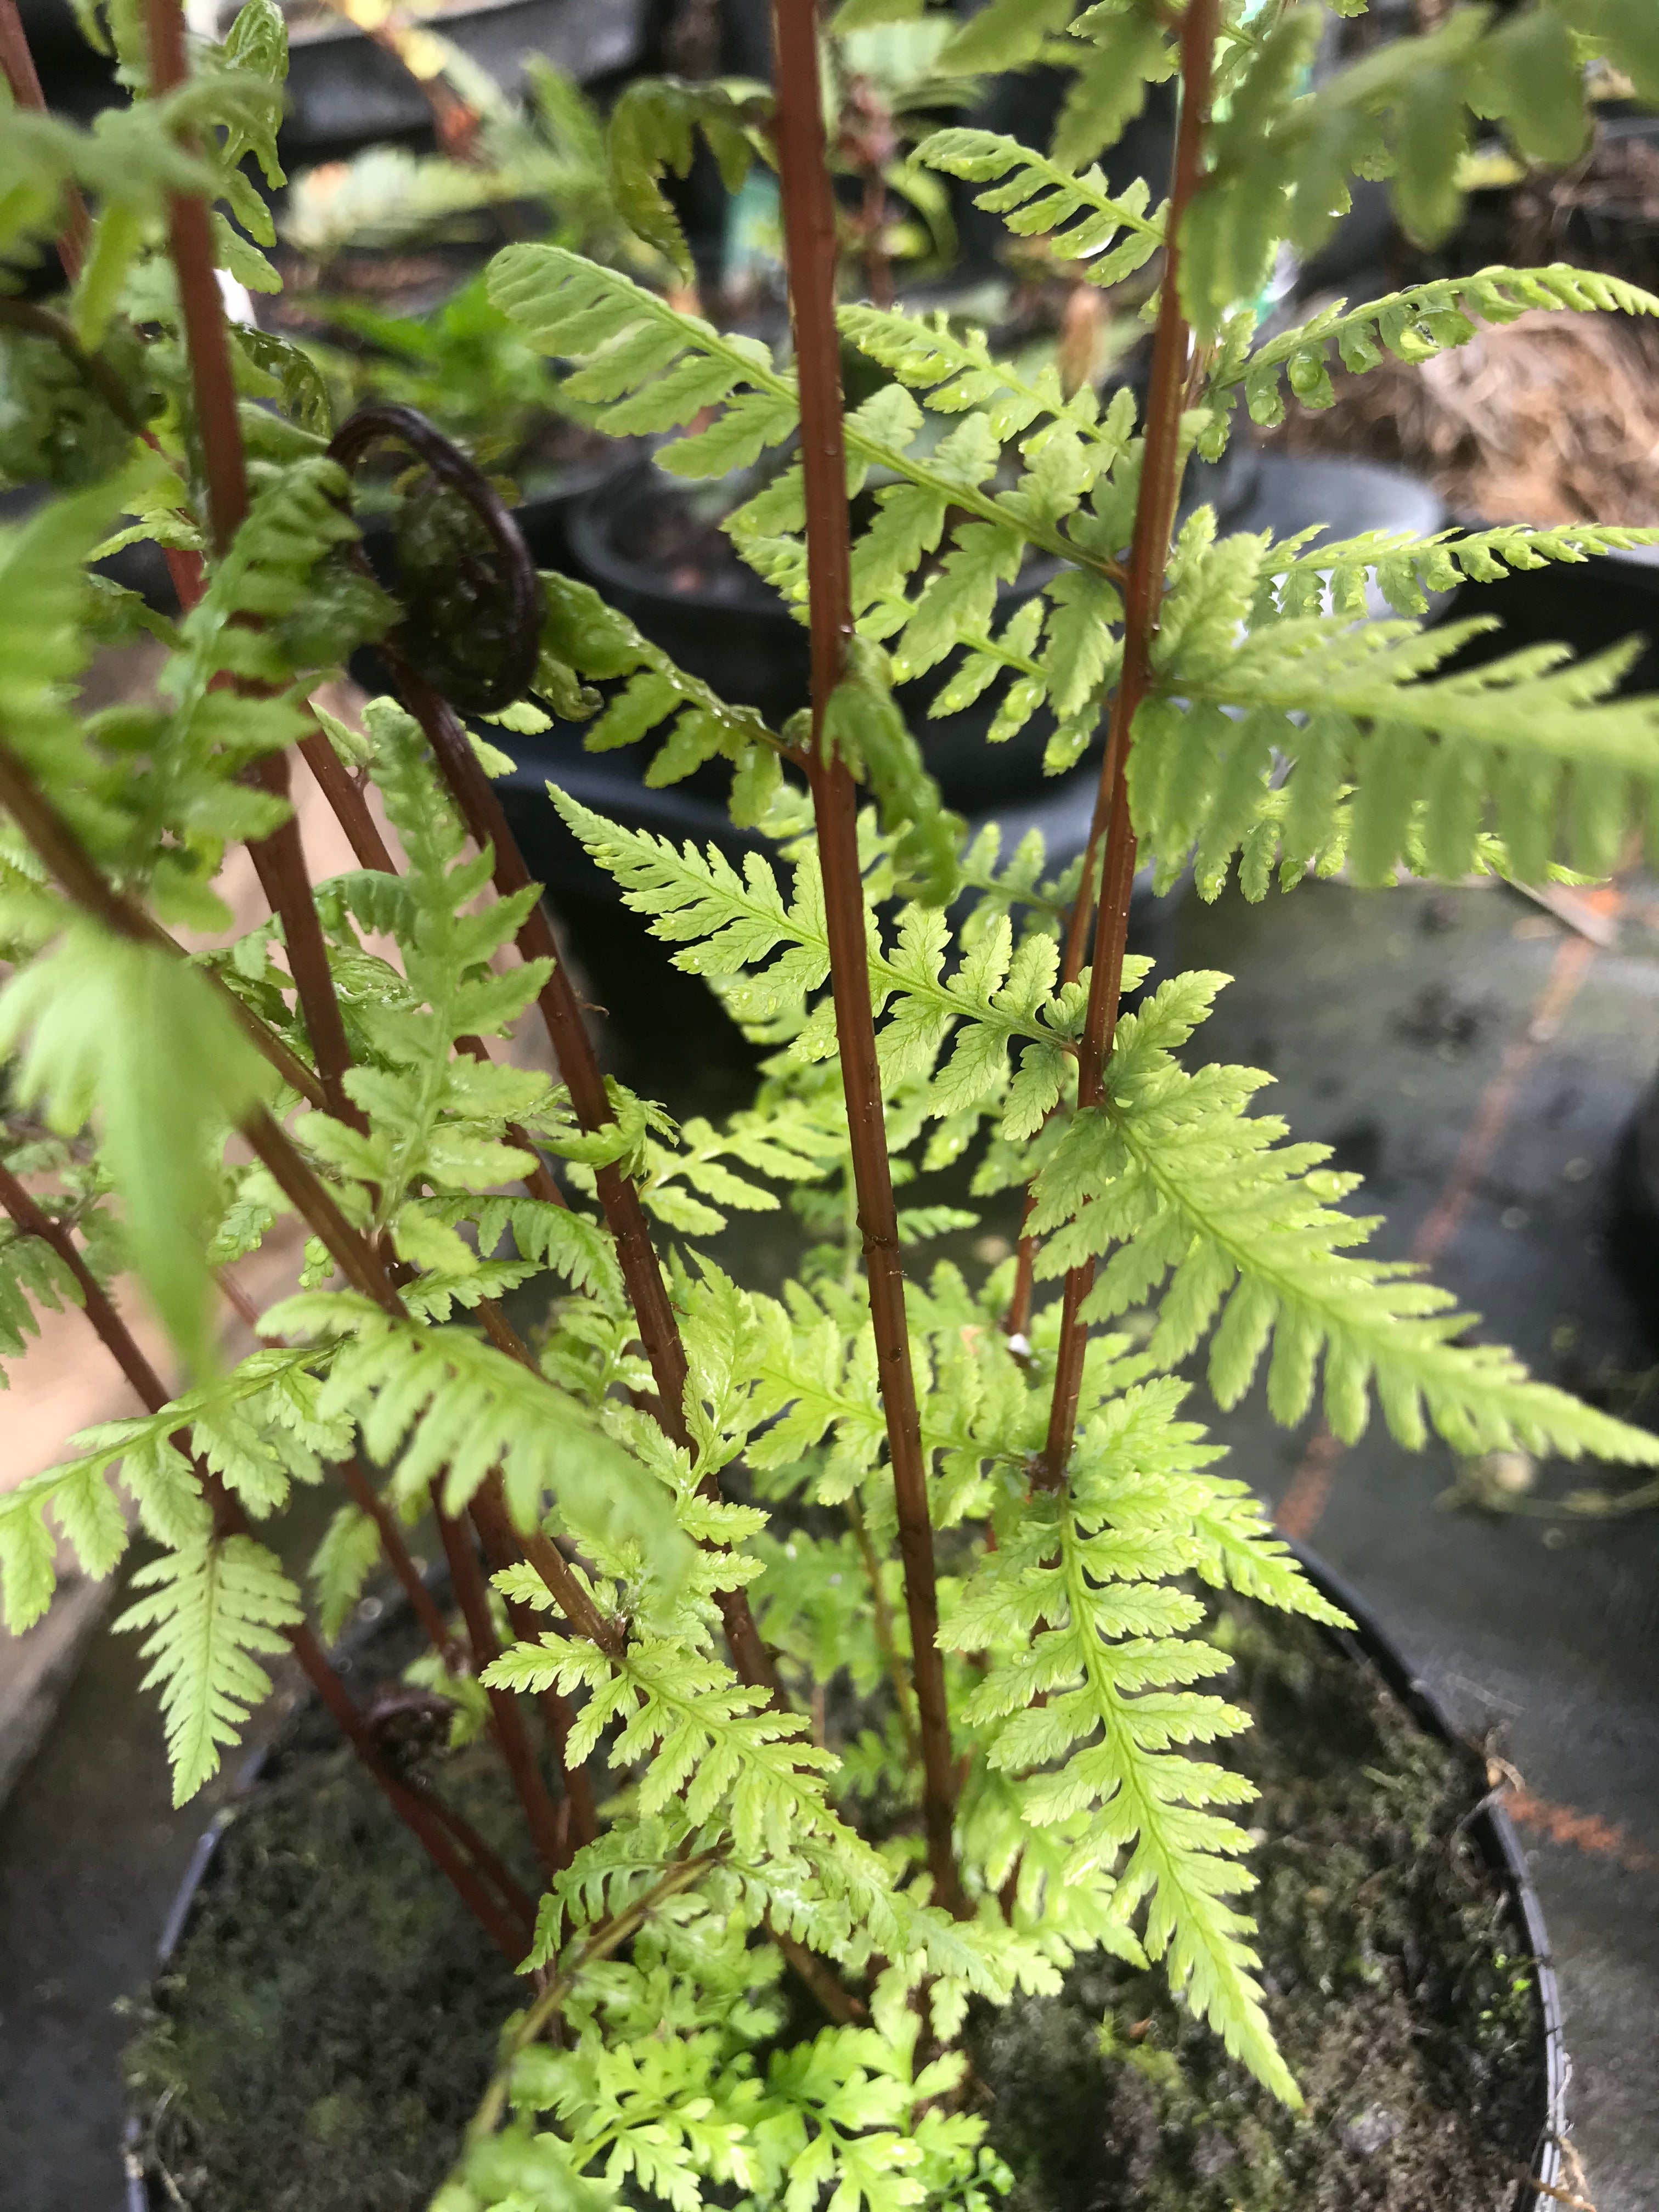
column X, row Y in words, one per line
column 744, row 641
column 546, row 513
column 1493, row 1833
column 1589, row 604
column 345, row 92
column 144, row 2194
column 737, row 634
column 1368, row 1644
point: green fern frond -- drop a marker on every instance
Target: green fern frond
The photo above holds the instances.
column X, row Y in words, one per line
column 1123, row 46
column 811, row 1384
column 1019, row 881
column 614, row 1872
column 960, row 374
column 1186, row 1184
column 88, row 1516
column 1053, row 1921
column 1086, row 1694
column 1001, row 995
column 44, row 648
column 583, row 636
column 632, row 339
column 138, row 155
column 673, row 2114
column 660, row 2083
column 652, row 131
column 446, row 1407
column 99, row 1025
column 1332, row 577
column 208, row 1609
column 691, row 1184
column 1000, row 35
column 1282, row 152
column 714, row 1743
column 813, row 1608
column 341, row 1566
column 1077, row 219
column 33, row 1278
column 1414, row 325
column 1386, row 760
column 258, row 1425
column 648, row 368
column 553, row 1237
column 437, row 1120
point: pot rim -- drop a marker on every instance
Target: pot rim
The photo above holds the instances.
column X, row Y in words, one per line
column 1368, row 1642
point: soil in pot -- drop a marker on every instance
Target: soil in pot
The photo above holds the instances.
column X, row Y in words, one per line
column 322, row 2029
column 322, row 2033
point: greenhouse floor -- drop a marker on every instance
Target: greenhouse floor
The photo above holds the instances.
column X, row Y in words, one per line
column 1478, row 1059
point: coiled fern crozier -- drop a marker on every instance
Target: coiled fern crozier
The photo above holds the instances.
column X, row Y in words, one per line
column 643, row 1613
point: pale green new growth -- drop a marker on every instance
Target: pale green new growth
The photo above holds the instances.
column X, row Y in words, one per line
column 1073, row 213
column 1087, row 1700
column 33, row 1279
column 1187, row 1185
column 1290, row 724
column 1413, row 326
column 208, row 1609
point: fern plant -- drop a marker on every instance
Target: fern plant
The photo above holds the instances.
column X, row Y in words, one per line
column 688, row 1505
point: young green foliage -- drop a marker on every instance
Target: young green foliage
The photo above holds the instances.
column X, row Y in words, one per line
column 1087, row 1698
column 209, row 1609
column 1187, row 1185
column 760, row 1817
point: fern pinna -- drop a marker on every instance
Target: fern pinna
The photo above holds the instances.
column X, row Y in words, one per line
column 688, row 1505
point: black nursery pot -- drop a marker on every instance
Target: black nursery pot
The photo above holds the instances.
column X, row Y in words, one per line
column 643, row 541
column 209, row 1898
column 1589, row 604
column 1493, row 1834
column 550, row 501
column 344, row 91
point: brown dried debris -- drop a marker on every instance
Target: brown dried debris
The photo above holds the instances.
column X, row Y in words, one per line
column 1553, row 418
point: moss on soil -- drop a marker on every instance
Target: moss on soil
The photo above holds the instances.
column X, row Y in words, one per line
column 323, row 2033
column 327, row 2024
